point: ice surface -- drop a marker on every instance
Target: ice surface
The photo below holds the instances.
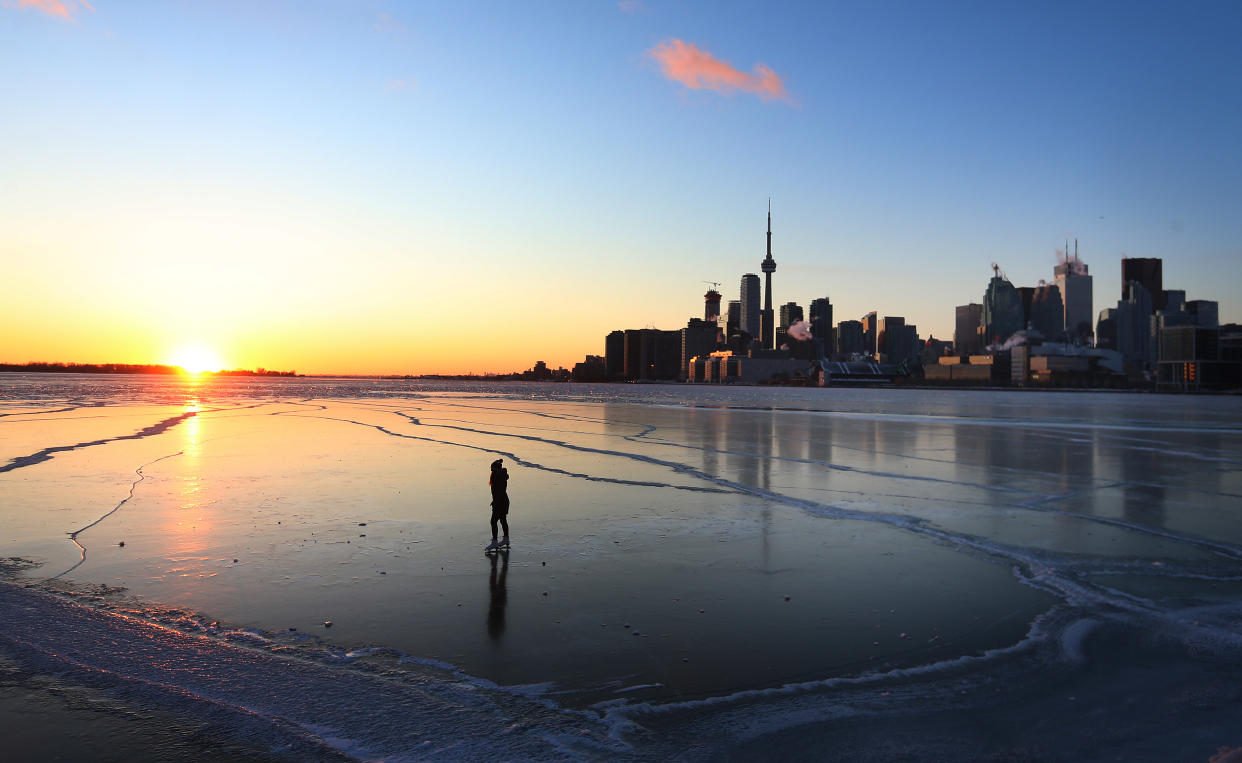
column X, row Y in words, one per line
column 731, row 563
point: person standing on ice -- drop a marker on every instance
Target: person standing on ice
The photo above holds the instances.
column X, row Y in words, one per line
column 499, row 481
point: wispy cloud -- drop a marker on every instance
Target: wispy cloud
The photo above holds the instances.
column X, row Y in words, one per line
column 630, row 6
column 699, row 70
column 407, row 85
column 386, row 23
column 64, row 9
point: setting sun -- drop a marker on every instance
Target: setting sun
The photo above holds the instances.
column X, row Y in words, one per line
column 196, row 360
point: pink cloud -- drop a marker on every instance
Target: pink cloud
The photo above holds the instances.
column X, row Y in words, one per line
column 699, row 70
column 60, row 8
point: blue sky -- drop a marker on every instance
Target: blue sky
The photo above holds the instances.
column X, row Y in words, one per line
column 533, row 171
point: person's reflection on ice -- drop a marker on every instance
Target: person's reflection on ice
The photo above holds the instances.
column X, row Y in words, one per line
column 496, row 602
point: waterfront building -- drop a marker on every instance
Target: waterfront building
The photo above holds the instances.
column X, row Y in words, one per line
column 1197, row 357
column 652, row 354
column 614, row 355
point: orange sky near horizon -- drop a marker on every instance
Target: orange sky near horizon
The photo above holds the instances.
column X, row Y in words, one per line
column 284, row 288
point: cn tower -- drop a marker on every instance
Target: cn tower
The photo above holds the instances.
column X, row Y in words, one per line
column 767, row 329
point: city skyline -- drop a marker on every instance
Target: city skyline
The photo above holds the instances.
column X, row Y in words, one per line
column 366, row 189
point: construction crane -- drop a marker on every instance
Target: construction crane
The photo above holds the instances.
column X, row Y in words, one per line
column 714, row 284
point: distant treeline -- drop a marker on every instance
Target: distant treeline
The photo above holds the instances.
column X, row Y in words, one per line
column 125, row 368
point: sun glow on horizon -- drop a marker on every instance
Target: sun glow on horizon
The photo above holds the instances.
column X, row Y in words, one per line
column 197, row 360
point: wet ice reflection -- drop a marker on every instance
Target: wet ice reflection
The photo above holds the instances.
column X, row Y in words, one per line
column 963, row 515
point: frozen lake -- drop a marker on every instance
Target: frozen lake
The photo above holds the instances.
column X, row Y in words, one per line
column 695, row 572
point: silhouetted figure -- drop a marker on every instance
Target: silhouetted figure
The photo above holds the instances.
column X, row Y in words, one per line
column 500, row 504
column 499, row 595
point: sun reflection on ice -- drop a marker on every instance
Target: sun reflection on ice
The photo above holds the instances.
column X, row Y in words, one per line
column 191, row 428
column 187, row 527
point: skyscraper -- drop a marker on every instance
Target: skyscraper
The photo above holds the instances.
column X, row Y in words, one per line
column 791, row 313
column 821, row 326
column 850, row 338
column 698, row 339
column 1133, row 322
column 711, row 307
column 750, row 305
column 1047, row 312
column 966, row 329
column 1077, row 303
column 1025, row 295
column 767, row 329
column 614, row 355
column 887, row 324
column 1147, row 271
column 733, row 317
column 1002, row 309
column 869, row 333
column 1204, row 313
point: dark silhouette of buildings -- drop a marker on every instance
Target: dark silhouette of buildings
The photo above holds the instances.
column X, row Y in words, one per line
column 1077, row 300
column 711, row 305
column 851, row 338
column 1203, row 312
column 733, row 318
column 1126, row 328
column 791, row 313
column 698, row 339
column 1025, row 295
column 750, row 305
column 1199, row 357
column 1046, row 313
column 821, row 327
column 652, row 354
column 1002, row 309
column 614, row 355
column 869, row 328
column 591, row 369
column 968, row 320
column 1146, row 271
column 1016, row 335
column 897, row 342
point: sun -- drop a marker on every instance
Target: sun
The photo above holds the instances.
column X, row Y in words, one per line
column 196, row 360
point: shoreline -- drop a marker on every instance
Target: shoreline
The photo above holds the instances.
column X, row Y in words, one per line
column 660, row 384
